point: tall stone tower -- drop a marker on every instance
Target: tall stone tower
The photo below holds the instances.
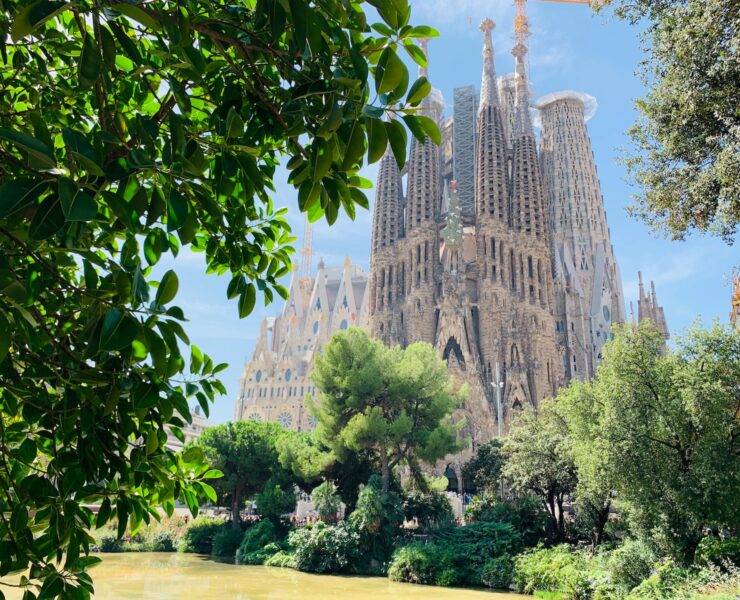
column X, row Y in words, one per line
column 477, row 277
column 588, row 288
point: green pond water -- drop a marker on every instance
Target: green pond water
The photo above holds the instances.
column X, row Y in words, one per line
column 155, row 576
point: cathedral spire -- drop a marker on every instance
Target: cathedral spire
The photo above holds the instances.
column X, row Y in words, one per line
column 488, row 91
column 522, row 121
column 388, row 209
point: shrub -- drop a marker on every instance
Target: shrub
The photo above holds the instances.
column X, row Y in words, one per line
column 107, row 541
column 198, row 537
column 226, row 541
column 281, row 559
column 631, row 563
column 556, row 569
column 252, row 550
column 377, row 519
column 473, row 545
column 322, row 548
column 498, row 572
column 326, row 501
column 429, row 564
column 526, row 516
column 713, row 550
column 274, row 502
column 430, row 509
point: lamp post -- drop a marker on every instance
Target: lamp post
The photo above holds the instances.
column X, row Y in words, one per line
column 498, row 384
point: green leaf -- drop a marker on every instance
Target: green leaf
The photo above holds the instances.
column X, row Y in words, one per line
column 35, row 15
column 38, row 152
column 118, row 330
column 181, row 95
column 415, row 127
column 177, row 211
column 49, row 218
column 321, row 159
column 108, row 44
column 128, row 45
column 422, row 31
column 104, row 513
column 167, row 289
column 18, row 194
column 389, row 72
column 5, row 337
column 209, row 491
column 398, row 140
column 192, row 455
column 377, row 140
column 419, row 90
column 246, row 300
column 138, row 14
column 213, row 474
column 416, row 54
column 77, row 204
column 355, row 149
column 88, row 69
column 234, row 124
column 430, row 128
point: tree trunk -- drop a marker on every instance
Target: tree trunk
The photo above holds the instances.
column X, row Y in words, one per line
column 601, row 522
column 561, row 519
column 385, row 470
column 236, row 501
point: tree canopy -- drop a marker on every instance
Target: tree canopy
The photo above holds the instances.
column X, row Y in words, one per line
column 133, row 131
column 482, row 472
column 394, row 403
column 668, row 430
column 687, row 139
column 539, row 459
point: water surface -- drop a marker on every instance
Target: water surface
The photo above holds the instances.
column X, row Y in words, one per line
column 161, row 576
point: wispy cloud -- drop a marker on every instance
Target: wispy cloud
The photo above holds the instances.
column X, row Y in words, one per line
column 671, row 270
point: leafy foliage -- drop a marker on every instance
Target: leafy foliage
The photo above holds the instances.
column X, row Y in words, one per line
column 129, row 132
column 526, row 515
column 632, row 562
column 253, row 548
column 482, row 473
column 275, row 500
column 687, row 138
column 430, row 509
column 245, row 452
column 539, row 459
column 198, row 537
column 669, row 432
column 392, row 402
column 226, row 542
column 321, row 548
column 326, row 501
column 428, row 564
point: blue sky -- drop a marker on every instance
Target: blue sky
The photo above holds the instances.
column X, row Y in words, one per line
column 570, row 48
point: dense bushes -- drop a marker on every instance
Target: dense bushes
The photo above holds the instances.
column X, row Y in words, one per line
column 428, row 564
column 226, row 541
column 631, row 563
column 322, row 548
column 430, row 509
column 559, row 569
column 157, row 537
column 713, row 550
column 526, row 515
column 257, row 544
column 198, row 537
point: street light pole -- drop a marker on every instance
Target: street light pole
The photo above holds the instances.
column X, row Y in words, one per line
column 498, row 384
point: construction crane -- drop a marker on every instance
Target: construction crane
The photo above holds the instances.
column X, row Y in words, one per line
column 304, row 275
column 521, row 23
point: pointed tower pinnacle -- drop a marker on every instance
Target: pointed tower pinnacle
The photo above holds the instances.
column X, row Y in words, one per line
column 522, row 121
column 424, row 44
column 488, row 91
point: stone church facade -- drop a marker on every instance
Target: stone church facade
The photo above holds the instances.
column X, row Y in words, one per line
column 502, row 259
column 275, row 383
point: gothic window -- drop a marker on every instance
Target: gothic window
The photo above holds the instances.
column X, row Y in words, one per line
column 514, row 356
column 343, row 324
column 315, row 327
column 318, row 303
column 493, row 248
column 345, row 304
column 288, row 375
column 254, row 417
column 530, row 267
column 258, row 376
column 285, row 419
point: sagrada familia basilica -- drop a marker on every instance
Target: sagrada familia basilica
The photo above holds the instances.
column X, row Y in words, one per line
column 494, row 247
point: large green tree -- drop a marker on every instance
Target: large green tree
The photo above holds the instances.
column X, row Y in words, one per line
column 393, row 403
column 482, row 473
column 669, row 431
column 539, row 459
column 246, row 453
column 687, row 139
column 133, row 130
